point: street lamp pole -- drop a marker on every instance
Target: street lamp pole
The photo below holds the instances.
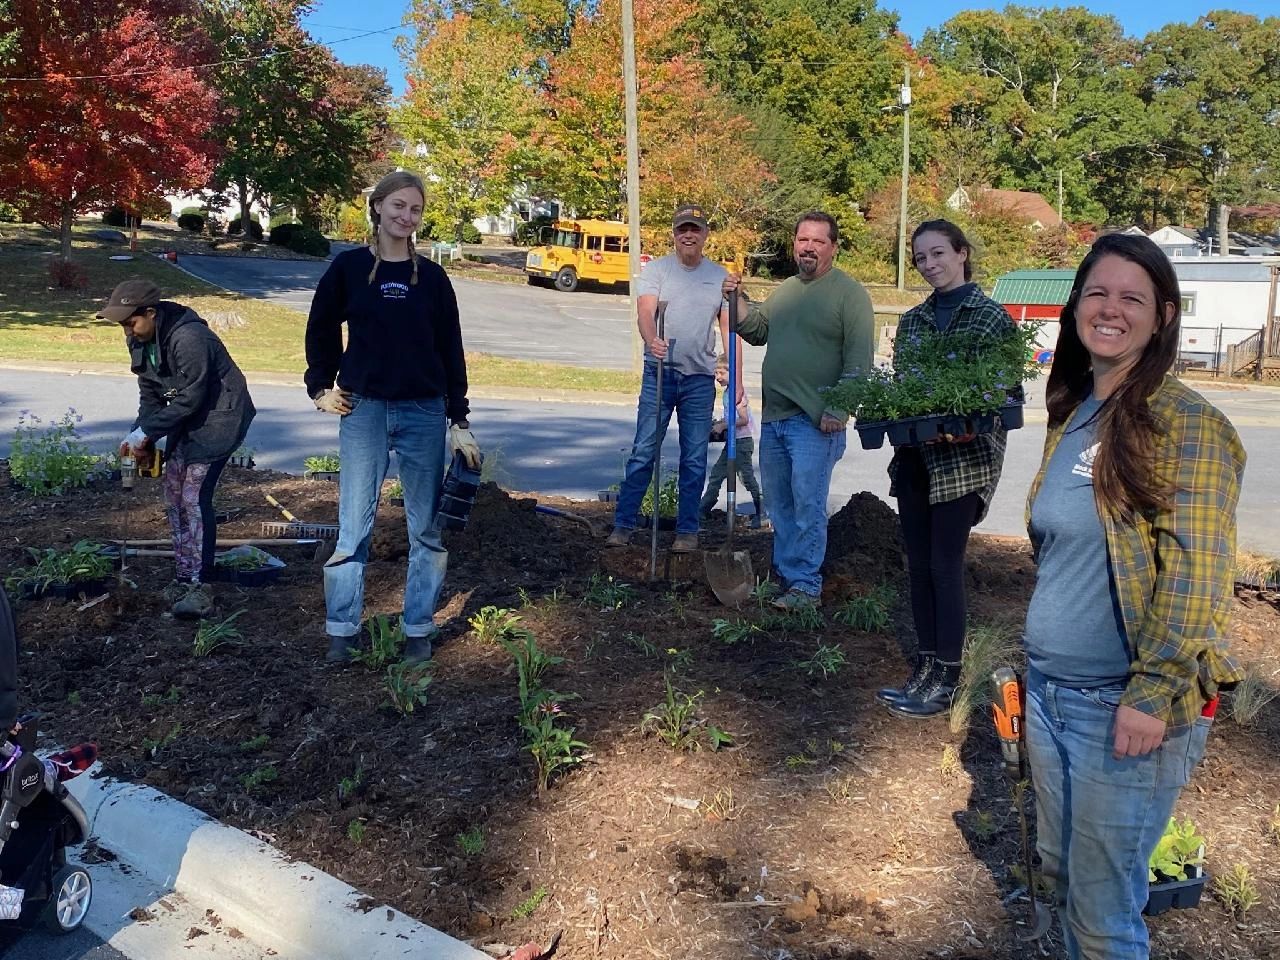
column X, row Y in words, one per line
column 904, row 101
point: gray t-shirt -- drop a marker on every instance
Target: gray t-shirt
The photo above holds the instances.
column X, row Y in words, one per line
column 1075, row 631
column 693, row 307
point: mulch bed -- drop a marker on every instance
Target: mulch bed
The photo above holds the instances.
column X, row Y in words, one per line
column 828, row 829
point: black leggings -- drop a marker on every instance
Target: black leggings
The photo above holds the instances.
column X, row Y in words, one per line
column 935, row 537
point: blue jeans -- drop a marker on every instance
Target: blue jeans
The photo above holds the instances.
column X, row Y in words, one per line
column 415, row 429
column 1098, row 818
column 692, row 396
column 796, row 460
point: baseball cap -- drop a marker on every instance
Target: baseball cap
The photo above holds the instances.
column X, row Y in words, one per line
column 690, row 213
column 128, row 298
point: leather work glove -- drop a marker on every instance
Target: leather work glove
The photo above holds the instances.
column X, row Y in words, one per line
column 333, row 401
column 461, row 439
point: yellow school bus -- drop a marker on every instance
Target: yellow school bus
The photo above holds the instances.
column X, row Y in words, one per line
column 577, row 250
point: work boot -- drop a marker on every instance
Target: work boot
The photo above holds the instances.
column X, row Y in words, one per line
column 934, row 697
column 620, row 537
column 342, row 649
column 416, row 649
column 759, row 520
column 194, row 604
column 794, row 599
column 685, row 543
column 919, row 677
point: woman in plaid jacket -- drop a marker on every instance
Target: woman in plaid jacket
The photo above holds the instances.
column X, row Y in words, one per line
column 1132, row 520
column 943, row 488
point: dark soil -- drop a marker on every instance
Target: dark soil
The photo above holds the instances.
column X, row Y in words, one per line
column 829, row 829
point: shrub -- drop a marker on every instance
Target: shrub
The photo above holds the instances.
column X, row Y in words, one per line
column 283, row 233
column 237, row 225
column 313, row 243
column 470, row 233
column 67, row 274
column 10, row 214
column 53, row 459
column 119, row 217
column 191, row 222
column 530, row 234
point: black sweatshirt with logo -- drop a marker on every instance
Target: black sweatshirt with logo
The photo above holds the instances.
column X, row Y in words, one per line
column 403, row 340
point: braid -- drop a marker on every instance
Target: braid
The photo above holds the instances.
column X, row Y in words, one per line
column 413, row 257
column 377, row 249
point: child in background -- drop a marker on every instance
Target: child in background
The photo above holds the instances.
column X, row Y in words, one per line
column 745, row 427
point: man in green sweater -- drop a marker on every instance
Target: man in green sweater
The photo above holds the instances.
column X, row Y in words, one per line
column 820, row 328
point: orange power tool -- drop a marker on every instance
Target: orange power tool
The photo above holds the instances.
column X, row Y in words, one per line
column 1006, row 707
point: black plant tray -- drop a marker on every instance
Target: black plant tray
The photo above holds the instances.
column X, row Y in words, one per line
column 1174, row 894
column 250, row 578
column 66, row 591
column 914, row 431
column 246, row 462
column 330, row 475
column 664, row 523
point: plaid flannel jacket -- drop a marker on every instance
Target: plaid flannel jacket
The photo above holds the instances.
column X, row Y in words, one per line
column 956, row 469
column 1173, row 569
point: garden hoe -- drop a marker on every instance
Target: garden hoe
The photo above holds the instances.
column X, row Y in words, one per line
column 655, row 513
column 729, row 571
column 296, row 528
column 1006, row 706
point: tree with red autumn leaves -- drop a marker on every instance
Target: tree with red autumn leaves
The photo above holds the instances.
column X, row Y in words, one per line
column 101, row 104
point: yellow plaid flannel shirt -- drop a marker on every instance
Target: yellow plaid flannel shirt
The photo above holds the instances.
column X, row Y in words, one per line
column 1174, row 569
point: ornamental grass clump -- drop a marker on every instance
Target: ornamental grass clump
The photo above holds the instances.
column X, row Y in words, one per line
column 942, row 374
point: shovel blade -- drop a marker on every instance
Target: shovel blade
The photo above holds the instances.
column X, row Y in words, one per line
column 729, row 575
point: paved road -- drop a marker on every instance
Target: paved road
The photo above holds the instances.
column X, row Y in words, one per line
column 38, row 945
column 576, row 450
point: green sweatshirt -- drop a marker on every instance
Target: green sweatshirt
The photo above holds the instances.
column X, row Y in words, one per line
column 818, row 331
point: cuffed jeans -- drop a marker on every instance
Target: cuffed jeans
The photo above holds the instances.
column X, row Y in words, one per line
column 692, row 396
column 1098, row 818
column 415, row 429
column 796, row 460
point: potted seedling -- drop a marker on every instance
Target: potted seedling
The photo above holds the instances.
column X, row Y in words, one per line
column 248, row 566
column 243, row 457
column 1176, row 869
column 324, row 467
column 959, row 384
column 84, row 569
column 668, row 504
column 395, row 493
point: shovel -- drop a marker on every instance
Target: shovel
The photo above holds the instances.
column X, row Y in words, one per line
column 729, row 571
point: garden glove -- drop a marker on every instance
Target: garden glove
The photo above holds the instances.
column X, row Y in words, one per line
column 136, row 441
column 333, row 401
column 462, row 440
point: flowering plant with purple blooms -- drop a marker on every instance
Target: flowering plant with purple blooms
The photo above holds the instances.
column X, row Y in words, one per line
column 51, row 459
column 942, row 374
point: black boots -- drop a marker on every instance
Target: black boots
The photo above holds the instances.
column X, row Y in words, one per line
column 933, row 697
column 924, row 667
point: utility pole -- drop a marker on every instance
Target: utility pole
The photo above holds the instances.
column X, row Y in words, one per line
column 904, row 102
column 1059, row 196
column 633, row 174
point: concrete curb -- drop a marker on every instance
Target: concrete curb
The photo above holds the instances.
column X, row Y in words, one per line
column 285, row 905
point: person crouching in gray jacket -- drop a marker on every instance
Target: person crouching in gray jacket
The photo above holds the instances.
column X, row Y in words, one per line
column 192, row 393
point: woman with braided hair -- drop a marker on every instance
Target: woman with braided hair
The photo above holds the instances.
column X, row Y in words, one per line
column 400, row 381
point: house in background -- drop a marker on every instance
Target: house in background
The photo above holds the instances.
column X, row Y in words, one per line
column 1225, row 306
column 1030, row 206
column 1176, row 242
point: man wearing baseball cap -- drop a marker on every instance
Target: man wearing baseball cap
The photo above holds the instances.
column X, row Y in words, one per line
column 191, row 393
column 687, row 285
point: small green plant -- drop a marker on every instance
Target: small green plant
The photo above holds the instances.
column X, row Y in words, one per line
column 406, row 685
column 152, row 746
column 1251, row 695
column 243, row 558
column 841, row 788
column 323, row 463
column 718, row 738
column 731, row 632
column 73, row 698
column 351, row 786
column 988, row 645
column 763, row 593
column 386, row 640
column 532, row 903
column 1180, row 846
column 802, row 617
column 680, row 660
column 472, row 841
column 983, row 825
column 243, row 451
column 1237, row 890
column 395, row 490
column 531, row 663
column 356, row 830
column 606, row 593
column 153, row 700
column 869, row 612
column 674, row 720
column 827, row 659
column 668, row 497
column 84, row 561
column 259, row 777
column 1273, row 825
column 640, row 643
column 796, row 761
column 52, row 459
column 211, row 635
column 551, row 745
column 491, row 622
column 255, row 744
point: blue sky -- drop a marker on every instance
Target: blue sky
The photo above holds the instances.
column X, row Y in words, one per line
column 340, row 23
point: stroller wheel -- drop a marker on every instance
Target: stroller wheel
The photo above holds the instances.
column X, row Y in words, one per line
column 72, row 894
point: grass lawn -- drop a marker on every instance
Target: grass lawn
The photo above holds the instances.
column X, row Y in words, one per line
column 40, row 322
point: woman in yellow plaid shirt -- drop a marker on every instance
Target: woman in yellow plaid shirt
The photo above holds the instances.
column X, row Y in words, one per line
column 1132, row 519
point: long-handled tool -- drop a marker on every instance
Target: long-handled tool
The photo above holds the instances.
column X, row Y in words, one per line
column 564, row 515
column 1006, row 707
column 296, row 527
column 657, row 452
column 728, row 571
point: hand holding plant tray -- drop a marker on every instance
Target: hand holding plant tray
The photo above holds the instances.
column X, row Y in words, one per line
column 962, row 383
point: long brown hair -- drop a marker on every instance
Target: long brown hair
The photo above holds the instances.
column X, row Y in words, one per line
column 396, row 180
column 1125, row 474
column 955, row 236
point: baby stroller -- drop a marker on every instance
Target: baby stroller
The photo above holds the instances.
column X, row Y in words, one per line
column 39, row 819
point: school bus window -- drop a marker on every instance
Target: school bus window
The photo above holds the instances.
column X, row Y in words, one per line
column 567, row 238
column 614, row 244
column 593, row 243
